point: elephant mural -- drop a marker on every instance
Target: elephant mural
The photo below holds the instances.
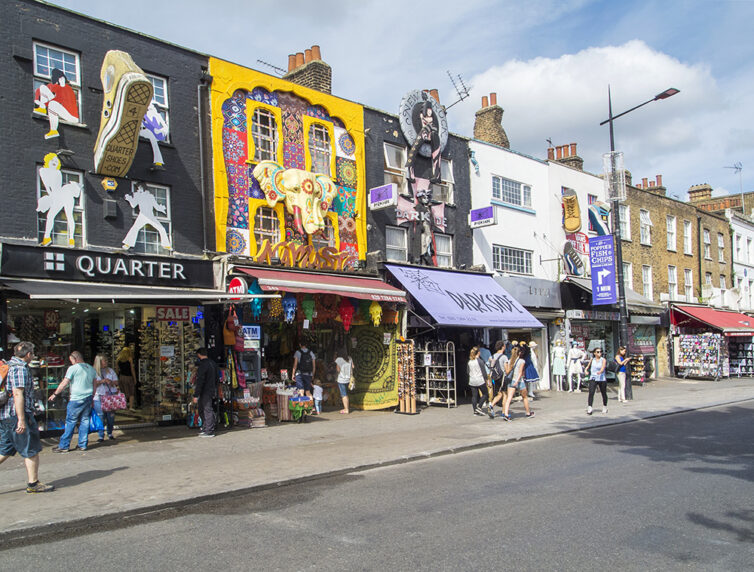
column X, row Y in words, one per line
column 307, row 196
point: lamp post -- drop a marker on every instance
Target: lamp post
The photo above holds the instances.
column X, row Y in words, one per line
column 623, row 337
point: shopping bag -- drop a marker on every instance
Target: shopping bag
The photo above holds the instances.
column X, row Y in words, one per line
column 95, row 422
column 113, row 401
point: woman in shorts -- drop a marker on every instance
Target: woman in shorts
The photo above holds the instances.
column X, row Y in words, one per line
column 518, row 358
column 344, row 365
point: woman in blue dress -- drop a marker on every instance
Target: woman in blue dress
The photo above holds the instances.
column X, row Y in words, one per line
column 531, row 367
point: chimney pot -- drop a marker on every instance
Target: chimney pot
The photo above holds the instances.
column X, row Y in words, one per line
column 299, row 59
column 493, row 99
column 307, row 56
column 485, row 102
column 559, row 150
column 638, row 186
column 551, row 153
column 573, row 149
column 659, row 180
column 436, row 94
column 316, row 53
column 291, row 62
column 644, row 183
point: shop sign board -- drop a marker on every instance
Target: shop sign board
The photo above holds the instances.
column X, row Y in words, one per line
column 21, row 261
column 641, row 340
column 383, row 197
column 602, row 261
column 486, row 216
column 237, row 286
column 592, row 315
column 580, row 242
column 173, row 314
column 253, row 332
column 294, row 255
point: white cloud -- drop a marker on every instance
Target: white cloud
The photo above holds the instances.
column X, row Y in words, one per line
column 687, row 138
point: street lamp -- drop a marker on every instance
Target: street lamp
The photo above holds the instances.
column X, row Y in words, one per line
column 615, row 196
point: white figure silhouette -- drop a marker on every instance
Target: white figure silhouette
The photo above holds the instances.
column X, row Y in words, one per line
column 154, row 128
column 147, row 206
column 59, row 197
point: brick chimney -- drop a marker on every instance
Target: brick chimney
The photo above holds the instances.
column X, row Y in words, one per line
column 566, row 154
column 488, row 124
column 653, row 186
column 307, row 69
column 700, row 193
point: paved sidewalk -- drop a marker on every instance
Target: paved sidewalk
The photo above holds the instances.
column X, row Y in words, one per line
column 154, row 468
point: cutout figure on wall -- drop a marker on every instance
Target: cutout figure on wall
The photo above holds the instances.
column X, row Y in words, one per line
column 57, row 100
column 154, row 128
column 425, row 128
column 147, row 205
column 59, row 197
column 428, row 133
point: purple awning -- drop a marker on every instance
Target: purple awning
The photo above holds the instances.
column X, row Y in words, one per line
column 463, row 298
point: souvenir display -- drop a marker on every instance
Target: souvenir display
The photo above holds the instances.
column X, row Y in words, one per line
column 702, row 355
column 436, row 374
column 406, row 378
column 741, row 352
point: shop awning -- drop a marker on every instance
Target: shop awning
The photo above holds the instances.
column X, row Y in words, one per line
column 61, row 290
column 635, row 302
column 319, row 283
column 731, row 323
column 463, row 298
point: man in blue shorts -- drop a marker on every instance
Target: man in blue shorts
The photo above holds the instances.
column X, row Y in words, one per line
column 19, row 432
column 304, row 366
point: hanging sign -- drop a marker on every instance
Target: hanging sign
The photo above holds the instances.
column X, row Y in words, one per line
column 486, row 216
column 580, row 242
column 602, row 261
column 383, row 197
column 237, row 286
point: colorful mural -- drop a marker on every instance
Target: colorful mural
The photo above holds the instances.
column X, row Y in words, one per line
column 274, row 142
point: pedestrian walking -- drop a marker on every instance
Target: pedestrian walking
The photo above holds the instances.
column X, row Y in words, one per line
column 622, row 362
column 127, row 375
column 531, row 370
column 80, row 376
column 304, row 368
column 477, row 380
column 19, row 432
column 518, row 358
column 105, row 383
column 500, row 370
column 205, row 390
column 596, row 369
column 344, row 366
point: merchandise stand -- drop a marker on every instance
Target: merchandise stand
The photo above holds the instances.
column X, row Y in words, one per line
column 406, row 379
column 741, row 352
column 436, row 374
column 701, row 355
column 636, row 370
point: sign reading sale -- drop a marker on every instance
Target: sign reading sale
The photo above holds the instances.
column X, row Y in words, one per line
column 173, row 314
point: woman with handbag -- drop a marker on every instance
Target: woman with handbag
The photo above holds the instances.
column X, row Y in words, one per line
column 596, row 369
column 105, row 383
column 127, row 375
column 344, row 365
column 621, row 360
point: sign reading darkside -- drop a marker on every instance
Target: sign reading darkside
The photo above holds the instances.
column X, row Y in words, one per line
column 602, row 260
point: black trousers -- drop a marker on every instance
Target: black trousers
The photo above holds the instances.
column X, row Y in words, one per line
column 207, row 413
column 478, row 396
column 603, row 390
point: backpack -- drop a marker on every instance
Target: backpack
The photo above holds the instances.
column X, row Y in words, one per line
column 305, row 363
column 498, row 372
column 612, row 366
column 4, row 393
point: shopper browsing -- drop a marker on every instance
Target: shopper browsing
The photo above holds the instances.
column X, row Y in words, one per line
column 105, row 383
column 344, row 365
column 19, row 432
column 80, row 376
column 205, row 389
column 304, row 368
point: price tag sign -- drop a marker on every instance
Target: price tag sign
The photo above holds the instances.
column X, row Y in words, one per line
column 306, row 324
column 387, row 336
column 427, row 359
column 167, row 351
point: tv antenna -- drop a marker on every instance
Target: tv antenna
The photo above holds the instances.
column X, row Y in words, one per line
column 278, row 71
column 549, row 141
column 462, row 91
column 738, row 168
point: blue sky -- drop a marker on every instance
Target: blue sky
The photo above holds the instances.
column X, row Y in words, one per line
column 549, row 62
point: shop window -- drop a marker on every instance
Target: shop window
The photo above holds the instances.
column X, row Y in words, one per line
column 59, row 231
column 645, row 227
column 266, row 226
column 646, row 281
column 265, row 134
column 737, row 253
column 672, row 282
column 688, row 284
column 708, row 278
column 723, row 286
column 687, row 245
column 590, row 200
column 160, row 100
column 625, row 222
column 707, row 245
column 749, row 251
column 444, row 250
column 507, row 259
column 148, row 240
column 395, row 166
column 628, row 277
column 443, row 191
column 319, row 149
column 670, row 225
column 324, row 237
column 49, row 58
column 511, row 192
column 720, row 248
column 395, row 244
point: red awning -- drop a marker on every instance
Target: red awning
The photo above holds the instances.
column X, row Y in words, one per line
column 316, row 283
column 731, row 323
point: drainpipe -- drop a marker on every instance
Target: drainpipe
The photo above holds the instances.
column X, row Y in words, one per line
column 701, row 250
column 204, row 82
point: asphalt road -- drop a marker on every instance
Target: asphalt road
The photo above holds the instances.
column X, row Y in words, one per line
column 673, row 493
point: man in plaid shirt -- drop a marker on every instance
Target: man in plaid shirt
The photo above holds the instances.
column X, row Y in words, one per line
column 19, row 432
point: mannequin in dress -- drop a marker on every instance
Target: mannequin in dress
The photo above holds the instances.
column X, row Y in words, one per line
column 558, row 364
column 575, row 355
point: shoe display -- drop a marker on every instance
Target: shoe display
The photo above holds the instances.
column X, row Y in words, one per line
column 127, row 93
column 40, row 488
column 573, row 259
column 571, row 211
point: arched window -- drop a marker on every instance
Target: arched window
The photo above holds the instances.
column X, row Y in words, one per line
column 319, row 149
column 266, row 226
column 265, row 134
column 324, row 237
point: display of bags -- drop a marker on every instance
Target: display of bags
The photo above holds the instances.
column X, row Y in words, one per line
column 230, row 328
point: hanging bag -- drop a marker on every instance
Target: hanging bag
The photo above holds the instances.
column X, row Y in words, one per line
column 352, row 379
column 230, row 328
column 113, row 401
